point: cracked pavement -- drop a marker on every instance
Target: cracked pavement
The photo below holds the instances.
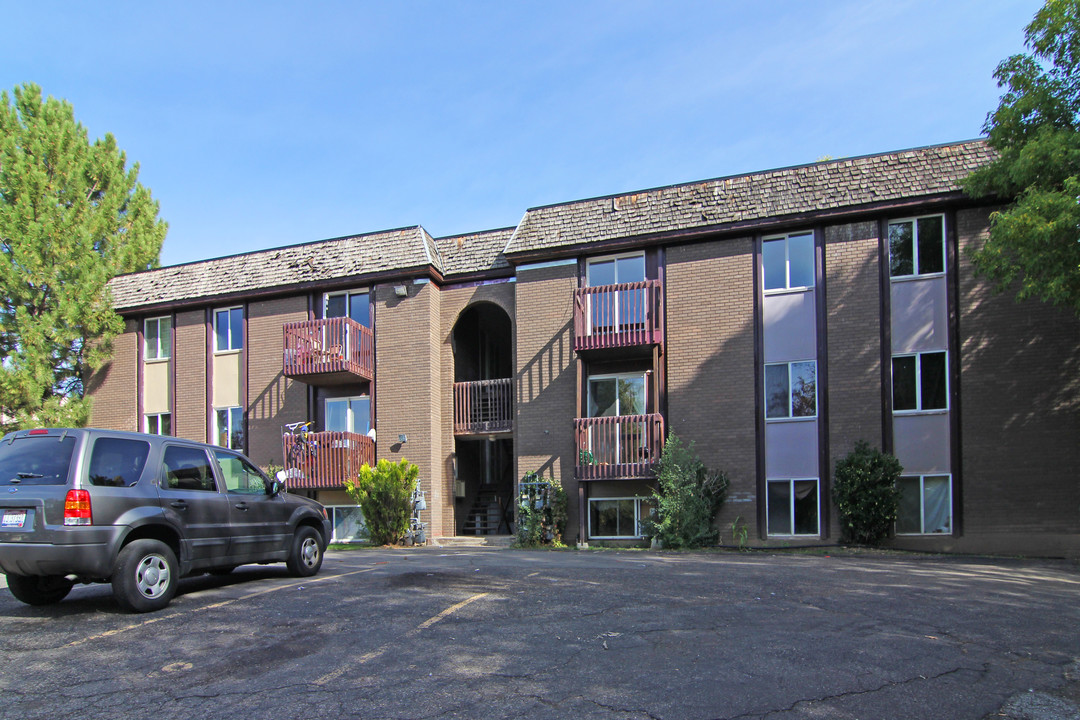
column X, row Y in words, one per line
column 480, row 633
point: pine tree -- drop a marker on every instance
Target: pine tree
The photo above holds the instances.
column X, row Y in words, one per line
column 72, row 216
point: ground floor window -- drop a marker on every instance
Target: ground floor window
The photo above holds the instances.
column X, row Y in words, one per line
column 348, row 523
column 611, row 518
column 793, row 507
column 159, row 424
column 925, row 505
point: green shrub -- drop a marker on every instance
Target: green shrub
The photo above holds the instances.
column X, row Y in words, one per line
column 864, row 490
column 384, row 494
column 541, row 512
column 687, row 496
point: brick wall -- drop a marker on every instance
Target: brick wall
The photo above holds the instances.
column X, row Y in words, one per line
column 710, row 364
column 114, row 387
column 453, row 303
column 1020, row 415
column 853, row 317
column 545, row 380
column 189, row 397
column 407, row 389
column 273, row 399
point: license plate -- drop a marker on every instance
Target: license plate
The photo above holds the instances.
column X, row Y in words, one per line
column 13, row 519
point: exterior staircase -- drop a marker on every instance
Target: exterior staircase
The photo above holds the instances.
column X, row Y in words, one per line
column 475, row 541
column 486, row 515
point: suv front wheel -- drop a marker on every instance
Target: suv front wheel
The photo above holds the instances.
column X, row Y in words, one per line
column 145, row 576
column 306, row 556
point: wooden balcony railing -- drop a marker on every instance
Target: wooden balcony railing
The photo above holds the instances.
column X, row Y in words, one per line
column 329, row 351
column 484, row 406
column 336, row 456
column 618, row 448
column 619, row 316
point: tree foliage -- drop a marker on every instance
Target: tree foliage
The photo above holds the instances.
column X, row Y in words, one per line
column 385, row 496
column 688, row 496
column 864, row 490
column 1036, row 131
column 72, row 216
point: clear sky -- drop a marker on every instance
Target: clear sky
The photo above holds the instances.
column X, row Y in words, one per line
column 260, row 124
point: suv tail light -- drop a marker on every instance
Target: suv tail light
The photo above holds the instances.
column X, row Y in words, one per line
column 77, row 508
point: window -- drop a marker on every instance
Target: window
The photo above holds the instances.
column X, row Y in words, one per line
column 788, row 262
column 917, row 246
column 791, row 390
column 792, row 507
column 925, row 505
column 353, row 305
column 614, row 395
column 187, row 468
column 617, row 443
column 159, row 424
column 239, row 475
column 622, row 308
column 157, row 338
column 920, row 382
column 348, row 522
column 116, row 462
column 229, row 329
column 351, row 414
column 229, row 428
column 618, row 517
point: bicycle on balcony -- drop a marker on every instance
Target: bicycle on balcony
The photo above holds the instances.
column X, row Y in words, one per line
column 301, row 442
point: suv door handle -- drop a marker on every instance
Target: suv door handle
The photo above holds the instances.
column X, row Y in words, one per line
column 241, row 506
column 179, row 504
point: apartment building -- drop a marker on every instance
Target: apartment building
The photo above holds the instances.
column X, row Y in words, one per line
column 774, row 319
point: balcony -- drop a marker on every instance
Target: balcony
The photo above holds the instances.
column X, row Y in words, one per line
column 484, row 407
column 332, row 351
column 627, row 315
column 625, row 447
column 336, row 456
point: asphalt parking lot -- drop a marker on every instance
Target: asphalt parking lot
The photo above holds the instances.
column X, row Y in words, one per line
column 437, row 633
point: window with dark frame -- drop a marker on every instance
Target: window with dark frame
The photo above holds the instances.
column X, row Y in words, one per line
column 788, row 261
column 920, row 381
column 917, row 246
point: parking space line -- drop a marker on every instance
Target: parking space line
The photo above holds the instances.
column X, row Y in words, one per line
column 380, row 651
column 213, row 606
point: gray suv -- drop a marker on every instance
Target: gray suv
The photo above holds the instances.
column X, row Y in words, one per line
column 140, row 512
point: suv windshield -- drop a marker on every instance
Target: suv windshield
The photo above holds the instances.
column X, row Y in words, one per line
column 35, row 460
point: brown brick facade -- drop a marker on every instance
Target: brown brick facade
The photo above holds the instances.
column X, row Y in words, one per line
column 113, row 387
column 710, row 364
column 546, row 378
column 189, row 401
column 1020, row 415
column 273, row 400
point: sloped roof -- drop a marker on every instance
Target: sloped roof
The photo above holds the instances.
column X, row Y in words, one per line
column 474, row 252
column 778, row 193
column 323, row 260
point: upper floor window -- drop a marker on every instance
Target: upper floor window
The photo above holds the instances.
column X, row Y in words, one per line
column 616, row 270
column 917, row 246
column 920, row 381
column 616, row 395
column 791, row 390
column 788, row 261
column 157, row 334
column 351, row 414
column 350, row 304
column 228, row 329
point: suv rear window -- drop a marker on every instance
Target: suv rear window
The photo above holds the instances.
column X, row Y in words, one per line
column 36, row 460
column 117, row 462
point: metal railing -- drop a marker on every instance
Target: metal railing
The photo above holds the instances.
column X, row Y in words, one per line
column 621, row 447
column 329, row 345
column 617, row 316
column 327, row 460
column 484, row 406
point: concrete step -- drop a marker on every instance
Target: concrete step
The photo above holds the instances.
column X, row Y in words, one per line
column 465, row 541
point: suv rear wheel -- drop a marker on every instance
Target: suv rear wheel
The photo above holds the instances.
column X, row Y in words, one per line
column 145, row 576
column 44, row 590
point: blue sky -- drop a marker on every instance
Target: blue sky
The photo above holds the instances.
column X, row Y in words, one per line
column 260, row 124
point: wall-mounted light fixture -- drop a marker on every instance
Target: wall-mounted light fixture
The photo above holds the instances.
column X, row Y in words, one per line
column 402, row 438
column 401, row 291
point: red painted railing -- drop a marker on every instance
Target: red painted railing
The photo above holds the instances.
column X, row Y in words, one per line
column 622, row 447
column 618, row 316
column 333, row 457
column 484, row 406
column 331, row 345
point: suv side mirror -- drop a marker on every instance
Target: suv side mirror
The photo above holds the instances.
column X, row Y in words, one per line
column 276, row 485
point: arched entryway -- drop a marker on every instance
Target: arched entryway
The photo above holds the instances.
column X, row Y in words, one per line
column 482, row 342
